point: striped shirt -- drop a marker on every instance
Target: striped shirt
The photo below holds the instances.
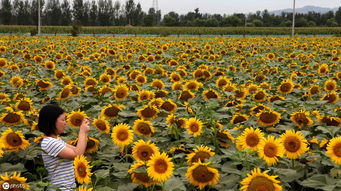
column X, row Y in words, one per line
column 60, row 171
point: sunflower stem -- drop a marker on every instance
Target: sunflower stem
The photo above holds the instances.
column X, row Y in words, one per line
column 163, row 186
column 292, row 163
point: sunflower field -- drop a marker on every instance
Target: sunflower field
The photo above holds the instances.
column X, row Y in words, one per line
column 167, row 113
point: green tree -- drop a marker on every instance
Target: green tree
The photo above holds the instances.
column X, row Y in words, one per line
column 338, row 16
column 5, row 12
column 66, row 13
column 129, row 11
column 78, row 10
column 93, row 13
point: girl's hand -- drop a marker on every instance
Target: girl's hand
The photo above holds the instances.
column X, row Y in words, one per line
column 85, row 126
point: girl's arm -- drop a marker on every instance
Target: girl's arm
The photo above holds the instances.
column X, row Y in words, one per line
column 70, row 152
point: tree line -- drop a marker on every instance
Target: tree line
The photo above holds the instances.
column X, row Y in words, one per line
column 109, row 13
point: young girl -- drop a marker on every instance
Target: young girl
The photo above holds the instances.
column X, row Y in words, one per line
column 59, row 155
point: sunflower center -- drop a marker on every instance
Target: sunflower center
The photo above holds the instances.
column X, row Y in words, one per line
column 101, row 125
column 148, row 112
column 337, row 150
column 202, row 174
column 200, row 155
column 161, row 166
column 144, row 129
column 314, row 90
column 211, row 95
column 43, row 84
column 239, row 119
column 122, row 135
column 260, row 183
column 260, row 96
column 330, row 98
column 330, row 86
column 285, row 87
column 270, row 150
column 12, row 118
column 194, row 127
column 179, row 122
column 65, row 93
column 13, row 139
column 24, row 105
column 76, row 120
column 145, row 152
column 268, row 117
column 167, row 106
column 142, row 177
column 121, row 93
column 90, row 144
column 252, row 140
column 111, row 112
column 300, row 118
column 222, row 83
column 185, row 95
column 81, row 170
column 292, row 144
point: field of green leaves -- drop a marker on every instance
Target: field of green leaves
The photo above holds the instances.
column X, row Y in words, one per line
column 186, row 113
column 165, row 31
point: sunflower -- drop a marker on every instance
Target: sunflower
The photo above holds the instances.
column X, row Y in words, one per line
column 259, row 96
column 186, row 95
column 122, row 135
column 294, row 144
column 141, row 79
column 193, row 85
column 201, row 153
column 143, row 128
column 82, row 170
column 75, row 118
column 251, row 138
column 92, row 144
column 3, row 62
column 270, row 56
column 201, row 175
column 160, row 168
column 169, row 106
column 230, row 87
column 268, row 118
column 156, row 102
column 240, row 93
column 258, row 108
column 286, row 87
column 239, row 118
column 102, row 124
column 323, row 69
column 301, row 119
column 121, row 92
column 142, row 151
column 50, row 65
column 148, row 112
column 330, row 85
column 161, row 93
column 146, row 95
column 43, row 84
column 258, row 180
column 12, row 118
column 329, row 121
column 64, row 93
column 14, row 141
column 194, row 126
column 158, row 84
column 175, row 77
column 17, row 81
column 24, row 105
column 269, row 149
column 334, row 150
column 224, row 138
column 66, row 80
column 105, row 78
column 75, row 90
column 90, row 81
column 331, row 97
column 13, row 181
column 138, row 176
column 111, row 111
column 210, row 94
column 314, row 90
column 222, row 81
column 83, row 188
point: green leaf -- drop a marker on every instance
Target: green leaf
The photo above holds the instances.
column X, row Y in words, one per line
column 175, row 184
column 320, row 181
column 288, row 175
column 8, row 167
column 127, row 187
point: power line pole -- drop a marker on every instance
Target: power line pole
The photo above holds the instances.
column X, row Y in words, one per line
column 38, row 17
column 293, row 20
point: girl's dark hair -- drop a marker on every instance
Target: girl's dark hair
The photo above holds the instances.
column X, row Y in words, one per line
column 47, row 118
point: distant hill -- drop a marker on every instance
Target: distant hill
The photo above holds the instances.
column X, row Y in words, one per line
column 305, row 9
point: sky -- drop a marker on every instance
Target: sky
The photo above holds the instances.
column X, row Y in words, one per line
column 231, row 6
